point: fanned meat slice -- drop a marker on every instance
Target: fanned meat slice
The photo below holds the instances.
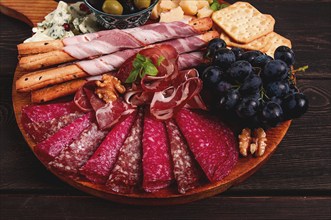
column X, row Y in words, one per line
column 212, row 143
column 99, row 166
column 186, row 171
column 157, row 167
column 40, row 131
column 127, row 172
column 48, row 149
column 75, row 155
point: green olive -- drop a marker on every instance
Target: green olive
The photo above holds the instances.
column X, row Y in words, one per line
column 141, row 4
column 112, row 7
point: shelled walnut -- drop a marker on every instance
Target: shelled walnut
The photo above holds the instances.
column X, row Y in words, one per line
column 255, row 144
column 108, row 88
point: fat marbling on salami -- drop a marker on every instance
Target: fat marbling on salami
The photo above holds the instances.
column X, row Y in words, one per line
column 186, row 170
column 126, row 175
column 99, row 166
column 212, row 143
column 157, row 168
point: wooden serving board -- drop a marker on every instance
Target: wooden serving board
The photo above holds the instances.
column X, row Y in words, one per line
column 169, row 196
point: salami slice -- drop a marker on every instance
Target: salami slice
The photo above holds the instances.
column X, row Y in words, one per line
column 186, row 171
column 48, row 149
column 212, row 143
column 156, row 155
column 40, row 131
column 99, row 166
column 126, row 174
column 78, row 152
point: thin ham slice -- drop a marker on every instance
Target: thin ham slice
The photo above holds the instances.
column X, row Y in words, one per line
column 99, row 166
column 212, row 143
column 127, row 172
column 48, row 149
column 157, row 166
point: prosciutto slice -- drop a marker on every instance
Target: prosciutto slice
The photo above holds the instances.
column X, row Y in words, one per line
column 127, row 172
column 107, row 42
column 99, row 166
column 212, row 143
column 157, row 166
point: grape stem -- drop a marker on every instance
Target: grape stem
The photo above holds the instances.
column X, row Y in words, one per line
column 300, row 69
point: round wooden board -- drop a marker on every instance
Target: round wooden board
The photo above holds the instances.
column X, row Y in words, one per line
column 243, row 169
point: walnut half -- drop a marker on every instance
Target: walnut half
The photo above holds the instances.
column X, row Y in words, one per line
column 108, row 88
column 255, row 144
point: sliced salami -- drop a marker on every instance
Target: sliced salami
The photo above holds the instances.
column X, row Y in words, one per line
column 212, row 143
column 157, row 167
column 40, row 131
column 186, row 170
column 75, row 155
column 48, row 149
column 127, row 171
column 99, row 166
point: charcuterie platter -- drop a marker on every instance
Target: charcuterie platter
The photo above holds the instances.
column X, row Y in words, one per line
column 161, row 146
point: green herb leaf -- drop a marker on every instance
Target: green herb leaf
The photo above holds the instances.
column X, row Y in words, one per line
column 215, row 6
column 133, row 76
column 150, row 69
column 140, row 57
column 160, row 60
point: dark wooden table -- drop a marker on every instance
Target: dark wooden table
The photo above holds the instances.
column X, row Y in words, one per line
column 294, row 184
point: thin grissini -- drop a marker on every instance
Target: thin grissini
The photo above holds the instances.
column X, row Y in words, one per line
column 43, row 78
column 106, row 44
column 185, row 61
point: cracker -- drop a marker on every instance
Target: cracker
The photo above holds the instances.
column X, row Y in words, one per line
column 243, row 23
column 257, row 44
column 275, row 40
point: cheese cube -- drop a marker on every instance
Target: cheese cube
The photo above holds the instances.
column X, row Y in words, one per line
column 167, row 5
column 156, row 11
column 189, row 7
column 202, row 3
column 205, row 12
column 175, row 14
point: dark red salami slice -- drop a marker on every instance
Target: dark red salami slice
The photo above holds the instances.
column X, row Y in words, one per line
column 212, row 143
column 157, row 167
column 75, row 155
column 186, row 171
column 127, row 172
column 99, row 166
column 48, row 149
column 40, row 131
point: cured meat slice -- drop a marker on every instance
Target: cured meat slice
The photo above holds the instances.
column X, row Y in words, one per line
column 40, row 131
column 186, row 171
column 48, row 149
column 189, row 60
column 157, row 167
column 38, row 113
column 126, row 174
column 212, row 143
column 99, row 166
column 75, row 155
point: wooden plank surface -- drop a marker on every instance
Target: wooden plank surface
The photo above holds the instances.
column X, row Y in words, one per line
column 294, row 184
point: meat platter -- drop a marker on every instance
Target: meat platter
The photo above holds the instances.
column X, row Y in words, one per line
column 147, row 195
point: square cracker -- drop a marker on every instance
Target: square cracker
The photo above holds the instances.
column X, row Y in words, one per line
column 256, row 44
column 275, row 40
column 243, row 23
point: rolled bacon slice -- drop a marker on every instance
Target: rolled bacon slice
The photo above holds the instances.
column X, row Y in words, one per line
column 127, row 172
column 97, row 169
column 157, row 168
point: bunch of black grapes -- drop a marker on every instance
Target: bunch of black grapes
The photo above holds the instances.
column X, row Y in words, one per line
column 252, row 85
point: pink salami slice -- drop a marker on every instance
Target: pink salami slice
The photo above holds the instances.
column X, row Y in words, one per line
column 127, row 171
column 186, row 171
column 212, row 143
column 157, row 167
column 48, row 149
column 75, row 155
column 99, row 166
column 40, row 131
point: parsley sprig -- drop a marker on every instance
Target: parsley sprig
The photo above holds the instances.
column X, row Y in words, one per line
column 143, row 66
column 215, row 5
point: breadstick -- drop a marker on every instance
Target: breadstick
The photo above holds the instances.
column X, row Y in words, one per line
column 56, row 91
column 34, row 62
column 38, row 61
column 39, row 47
column 40, row 79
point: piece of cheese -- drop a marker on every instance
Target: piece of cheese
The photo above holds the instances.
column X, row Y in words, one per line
column 205, row 12
column 202, row 3
column 175, row 14
column 189, row 7
column 156, row 11
column 167, row 5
